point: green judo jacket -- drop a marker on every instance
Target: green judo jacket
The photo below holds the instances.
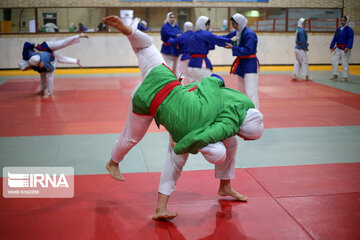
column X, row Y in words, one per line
column 195, row 115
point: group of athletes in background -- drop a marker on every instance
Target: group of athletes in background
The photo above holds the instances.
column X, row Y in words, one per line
column 186, row 53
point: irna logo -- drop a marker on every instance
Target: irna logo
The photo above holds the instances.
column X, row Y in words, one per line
column 38, row 182
column 18, row 180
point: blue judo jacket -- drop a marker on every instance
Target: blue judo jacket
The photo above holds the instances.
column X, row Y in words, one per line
column 46, row 56
column 301, row 39
column 246, row 48
column 183, row 42
column 343, row 39
column 201, row 42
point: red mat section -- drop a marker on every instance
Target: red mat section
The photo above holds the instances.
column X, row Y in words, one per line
column 99, row 105
column 327, row 217
column 309, row 179
column 107, row 209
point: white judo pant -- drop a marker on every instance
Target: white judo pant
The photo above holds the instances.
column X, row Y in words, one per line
column 172, row 61
column 182, row 68
column 340, row 55
column 197, row 74
column 47, row 78
column 249, row 86
column 137, row 125
column 221, row 153
column 301, row 65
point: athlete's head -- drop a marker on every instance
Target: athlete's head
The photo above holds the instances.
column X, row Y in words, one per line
column 302, row 23
column 203, row 23
column 238, row 22
column 170, row 17
column 252, row 128
column 344, row 21
column 188, row 26
column 144, row 23
column 34, row 61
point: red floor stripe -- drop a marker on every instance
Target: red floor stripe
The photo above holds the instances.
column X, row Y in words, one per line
column 100, row 105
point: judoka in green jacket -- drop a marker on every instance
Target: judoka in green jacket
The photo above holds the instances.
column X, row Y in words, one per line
column 197, row 114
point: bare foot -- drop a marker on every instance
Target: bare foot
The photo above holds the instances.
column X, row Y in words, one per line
column 163, row 214
column 83, row 35
column 46, row 96
column 333, row 77
column 113, row 169
column 41, row 92
column 308, row 78
column 116, row 22
column 294, row 78
column 344, row 80
column 225, row 189
column 78, row 63
column 234, row 194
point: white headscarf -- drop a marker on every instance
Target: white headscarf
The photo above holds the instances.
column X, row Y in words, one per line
column 34, row 60
column 23, row 64
column 200, row 23
column 168, row 18
column 242, row 22
column 144, row 23
column 188, row 26
column 347, row 22
column 253, row 125
column 300, row 22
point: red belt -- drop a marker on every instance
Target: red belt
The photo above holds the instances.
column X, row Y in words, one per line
column 38, row 47
column 300, row 44
column 341, row 46
column 161, row 95
column 198, row 56
column 237, row 61
column 167, row 44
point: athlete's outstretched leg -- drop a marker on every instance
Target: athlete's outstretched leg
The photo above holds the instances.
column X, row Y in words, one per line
column 135, row 129
column 63, row 43
column 148, row 56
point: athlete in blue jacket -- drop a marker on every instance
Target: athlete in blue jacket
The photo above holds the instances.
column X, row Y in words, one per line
column 170, row 30
column 341, row 46
column 201, row 42
column 301, row 65
column 246, row 62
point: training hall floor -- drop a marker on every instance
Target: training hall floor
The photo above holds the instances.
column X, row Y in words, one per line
column 302, row 177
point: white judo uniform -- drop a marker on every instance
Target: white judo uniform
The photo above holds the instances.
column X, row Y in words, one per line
column 338, row 56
